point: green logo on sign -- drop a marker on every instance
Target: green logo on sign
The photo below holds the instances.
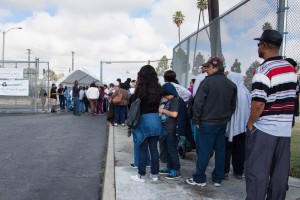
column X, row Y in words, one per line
column 4, row 84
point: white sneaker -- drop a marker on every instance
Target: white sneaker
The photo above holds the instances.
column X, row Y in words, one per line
column 115, row 124
column 154, row 177
column 123, row 124
column 192, row 182
column 217, row 184
column 138, row 178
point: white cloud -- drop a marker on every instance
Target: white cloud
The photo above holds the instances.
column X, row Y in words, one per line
column 97, row 30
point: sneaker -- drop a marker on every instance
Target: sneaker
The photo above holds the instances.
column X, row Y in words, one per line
column 123, row 124
column 154, row 177
column 226, row 177
column 164, row 170
column 133, row 166
column 192, row 182
column 149, row 166
column 115, row 124
column 173, row 174
column 237, row 176
column 138, row 178
column 217, row 184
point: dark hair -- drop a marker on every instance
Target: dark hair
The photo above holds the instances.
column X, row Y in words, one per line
column 169, row 76
column 105, row 85
column 122, row 85
column 193, row 80
column 148, row 87
column 93, row 85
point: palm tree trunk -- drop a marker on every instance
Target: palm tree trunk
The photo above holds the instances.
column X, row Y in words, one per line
column 196, row 41
column 204, row 25
column 179, row 33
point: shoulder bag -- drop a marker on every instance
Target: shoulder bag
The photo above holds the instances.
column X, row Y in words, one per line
column 134, row 113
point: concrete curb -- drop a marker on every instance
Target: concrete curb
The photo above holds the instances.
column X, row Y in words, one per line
column 109, row 188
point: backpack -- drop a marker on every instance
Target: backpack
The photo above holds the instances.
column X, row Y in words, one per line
column 117, row 99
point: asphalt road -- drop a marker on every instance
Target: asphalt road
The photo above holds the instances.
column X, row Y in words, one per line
column 51, row 156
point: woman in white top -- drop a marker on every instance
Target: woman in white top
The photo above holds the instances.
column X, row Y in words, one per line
column 93, row 95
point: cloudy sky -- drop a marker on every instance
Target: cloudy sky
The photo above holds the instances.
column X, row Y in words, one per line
column 108, row 30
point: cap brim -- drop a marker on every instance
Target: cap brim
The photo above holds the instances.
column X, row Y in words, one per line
column 257, row 39
column 206, row 64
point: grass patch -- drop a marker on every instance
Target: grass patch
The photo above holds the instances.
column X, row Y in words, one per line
column 295, row 151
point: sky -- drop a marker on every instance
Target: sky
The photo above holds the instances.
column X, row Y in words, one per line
column 105, row 30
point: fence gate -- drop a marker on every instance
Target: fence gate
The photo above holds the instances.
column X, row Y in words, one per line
column 20, row 85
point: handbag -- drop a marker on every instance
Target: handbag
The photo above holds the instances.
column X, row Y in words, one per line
column 134, row 113
column 117, row 99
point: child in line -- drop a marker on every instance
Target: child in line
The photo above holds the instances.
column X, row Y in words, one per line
column 169, row 120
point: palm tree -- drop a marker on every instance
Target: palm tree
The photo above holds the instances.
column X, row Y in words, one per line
column 201, row 5
column 178, row 19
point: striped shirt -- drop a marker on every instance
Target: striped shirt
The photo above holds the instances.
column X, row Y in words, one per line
column 274, row 83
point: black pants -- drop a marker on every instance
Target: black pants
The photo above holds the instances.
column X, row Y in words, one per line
column 62, row 103
column 236, row 150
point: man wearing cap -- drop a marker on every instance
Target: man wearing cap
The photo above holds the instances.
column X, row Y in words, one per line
column 214, row 103
column 268, row 134
column 200, row 78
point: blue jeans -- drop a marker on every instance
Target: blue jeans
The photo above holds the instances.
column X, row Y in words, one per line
column 76, row 106
column 81, row 105
column 68, row 103
column 151, row 144
column 170, row 142
column 209, row 138
column 136, row 153
column 119, row 114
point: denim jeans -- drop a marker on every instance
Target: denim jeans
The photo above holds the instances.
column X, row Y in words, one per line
column 151, row 144
column 136, row 153
column 82, row 105
column 76, row 106
column 119, row 114
column 68, row 103
column 62, row 103
column 209, row 138
column 170, row 142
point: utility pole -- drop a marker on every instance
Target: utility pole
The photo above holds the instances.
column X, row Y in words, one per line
column 72, row 61
column 28, row 70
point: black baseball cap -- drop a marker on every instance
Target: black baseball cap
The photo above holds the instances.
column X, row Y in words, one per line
column 271, row 37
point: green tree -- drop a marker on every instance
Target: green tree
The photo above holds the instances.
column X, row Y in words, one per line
column 267, row 26
column 236, row 67
column 52, row 75
column 249, row 74
column 178, row 19
column 162, row 66
column 197, row 63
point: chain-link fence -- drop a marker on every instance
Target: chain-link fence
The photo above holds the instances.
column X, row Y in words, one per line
column 231, row 37
column 22, row 94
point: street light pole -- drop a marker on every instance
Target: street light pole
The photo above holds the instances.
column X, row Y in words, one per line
column 3, row 43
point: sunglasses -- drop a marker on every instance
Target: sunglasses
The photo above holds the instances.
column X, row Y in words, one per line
column 260, row 43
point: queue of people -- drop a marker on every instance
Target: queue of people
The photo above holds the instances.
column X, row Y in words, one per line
column 253, row 131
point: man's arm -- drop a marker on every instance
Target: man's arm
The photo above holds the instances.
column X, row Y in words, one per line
column 256, row 110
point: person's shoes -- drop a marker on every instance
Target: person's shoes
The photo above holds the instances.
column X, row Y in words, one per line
column 154, row 177
column 226, row 177
column 217, row 184
column 149, row 166
column 181, row 152
column 115, row 124
column 237, row 176
column 133, row 166
column 164, row 170
column 123, row 124
column 192, row 182
column 138, row 178
column 173, row 174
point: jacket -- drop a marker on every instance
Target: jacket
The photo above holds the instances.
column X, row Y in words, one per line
column 125, row 96
column 215, row 100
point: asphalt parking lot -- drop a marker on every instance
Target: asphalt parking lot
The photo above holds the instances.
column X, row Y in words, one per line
column 51, row 156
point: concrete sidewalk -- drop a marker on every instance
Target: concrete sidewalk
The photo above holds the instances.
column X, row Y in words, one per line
column 117, row 184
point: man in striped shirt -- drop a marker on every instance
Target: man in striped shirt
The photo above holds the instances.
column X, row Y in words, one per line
column 268, row 133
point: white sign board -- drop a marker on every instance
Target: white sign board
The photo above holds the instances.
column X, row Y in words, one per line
column 14, row 87
column 11, row 73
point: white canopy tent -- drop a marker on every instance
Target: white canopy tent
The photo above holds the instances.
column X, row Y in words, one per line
column 83, row 76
